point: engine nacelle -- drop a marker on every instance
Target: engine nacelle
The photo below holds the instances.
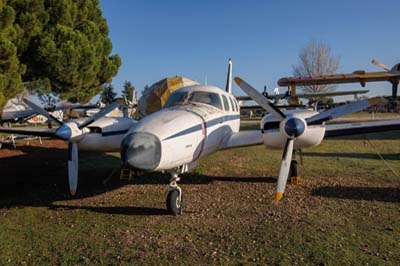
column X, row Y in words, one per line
column 275, row 133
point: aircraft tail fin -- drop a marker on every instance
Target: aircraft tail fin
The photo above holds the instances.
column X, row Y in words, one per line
column 229, row 78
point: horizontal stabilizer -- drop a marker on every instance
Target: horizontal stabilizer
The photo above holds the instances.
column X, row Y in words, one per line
column 330, row 94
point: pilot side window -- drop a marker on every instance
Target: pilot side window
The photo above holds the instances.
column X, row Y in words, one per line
column 176, row 98
column 226, row 104
column 207, row 98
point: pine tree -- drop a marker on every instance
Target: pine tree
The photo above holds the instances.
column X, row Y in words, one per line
column 128, row 90
column 65, row 47
column 108, row 95
column 10, row 67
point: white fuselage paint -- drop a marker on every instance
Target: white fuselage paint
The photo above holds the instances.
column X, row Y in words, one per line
column 190, row 131
column 105, row 134
column 273, row 137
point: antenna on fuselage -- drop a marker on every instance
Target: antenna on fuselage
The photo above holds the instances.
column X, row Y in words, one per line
column 229, row 78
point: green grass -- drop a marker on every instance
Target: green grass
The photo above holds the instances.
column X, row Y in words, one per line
column 346, row 212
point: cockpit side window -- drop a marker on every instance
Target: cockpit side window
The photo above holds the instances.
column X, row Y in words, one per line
column 207, row 98
column 226, row 104
column 176, row 98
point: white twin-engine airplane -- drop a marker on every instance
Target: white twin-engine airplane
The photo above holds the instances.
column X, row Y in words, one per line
column 199, row 120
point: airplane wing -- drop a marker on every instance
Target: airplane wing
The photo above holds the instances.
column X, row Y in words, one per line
column 258, row 107
column 243, row 139
column 330, row 94
column 30, row 131
column 16, row 115
column 358, row 76
column 345, row 129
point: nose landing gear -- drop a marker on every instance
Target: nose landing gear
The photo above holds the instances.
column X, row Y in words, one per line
column 174, row 196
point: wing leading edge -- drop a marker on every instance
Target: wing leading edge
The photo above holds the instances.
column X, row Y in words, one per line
column 243, row 139
column 40, row 132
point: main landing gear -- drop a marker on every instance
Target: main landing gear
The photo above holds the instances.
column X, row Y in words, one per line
column 293, row 174
column 174, row 195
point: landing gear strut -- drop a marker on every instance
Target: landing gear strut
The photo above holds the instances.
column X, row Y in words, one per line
column 174, row 195
column 293, row 174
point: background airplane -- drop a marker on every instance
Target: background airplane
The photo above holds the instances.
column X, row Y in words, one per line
column 294, row 99
column 96, row 133
column 297, row 129
column 391, row 75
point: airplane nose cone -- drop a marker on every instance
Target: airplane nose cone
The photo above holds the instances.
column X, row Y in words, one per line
column 294, row 127
column 141, row 151
column 64, row 132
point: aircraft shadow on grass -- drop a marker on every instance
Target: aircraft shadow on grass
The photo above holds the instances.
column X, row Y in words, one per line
column 120, row 210
column 38, row 178
column 386, row 156
column 384, row 194
column 389, row 135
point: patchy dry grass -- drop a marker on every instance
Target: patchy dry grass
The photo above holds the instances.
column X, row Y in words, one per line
column 346, row 213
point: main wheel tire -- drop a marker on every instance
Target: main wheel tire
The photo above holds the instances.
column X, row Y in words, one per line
column 293, row 168
column 174, row 205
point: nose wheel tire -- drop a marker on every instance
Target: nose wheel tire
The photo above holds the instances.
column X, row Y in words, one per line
column 174, row 202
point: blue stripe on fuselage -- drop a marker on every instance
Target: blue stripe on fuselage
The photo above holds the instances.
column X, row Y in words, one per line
column 209, row 124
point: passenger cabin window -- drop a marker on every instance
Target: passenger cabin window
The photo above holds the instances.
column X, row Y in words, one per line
column 206, row 97
column 236, row 105
column 226, row 104
column 232, row 104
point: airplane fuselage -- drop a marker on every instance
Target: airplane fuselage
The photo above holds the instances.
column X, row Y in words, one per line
column 182, row 132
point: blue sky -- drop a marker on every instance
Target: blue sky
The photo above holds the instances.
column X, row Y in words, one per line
column 156, row 39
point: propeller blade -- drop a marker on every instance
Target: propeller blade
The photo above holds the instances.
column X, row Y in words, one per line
column 258, row 98
column 73, row 167
column 284, row 169
column 99, row 115
column 41, row 111
column 341, row 110
column 379, row 64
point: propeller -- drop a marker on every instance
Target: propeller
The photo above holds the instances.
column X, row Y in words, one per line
column 379, row 64
column 292, row 127
column 73, row 132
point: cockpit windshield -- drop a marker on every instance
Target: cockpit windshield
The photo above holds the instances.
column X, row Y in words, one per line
column 178, row 98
